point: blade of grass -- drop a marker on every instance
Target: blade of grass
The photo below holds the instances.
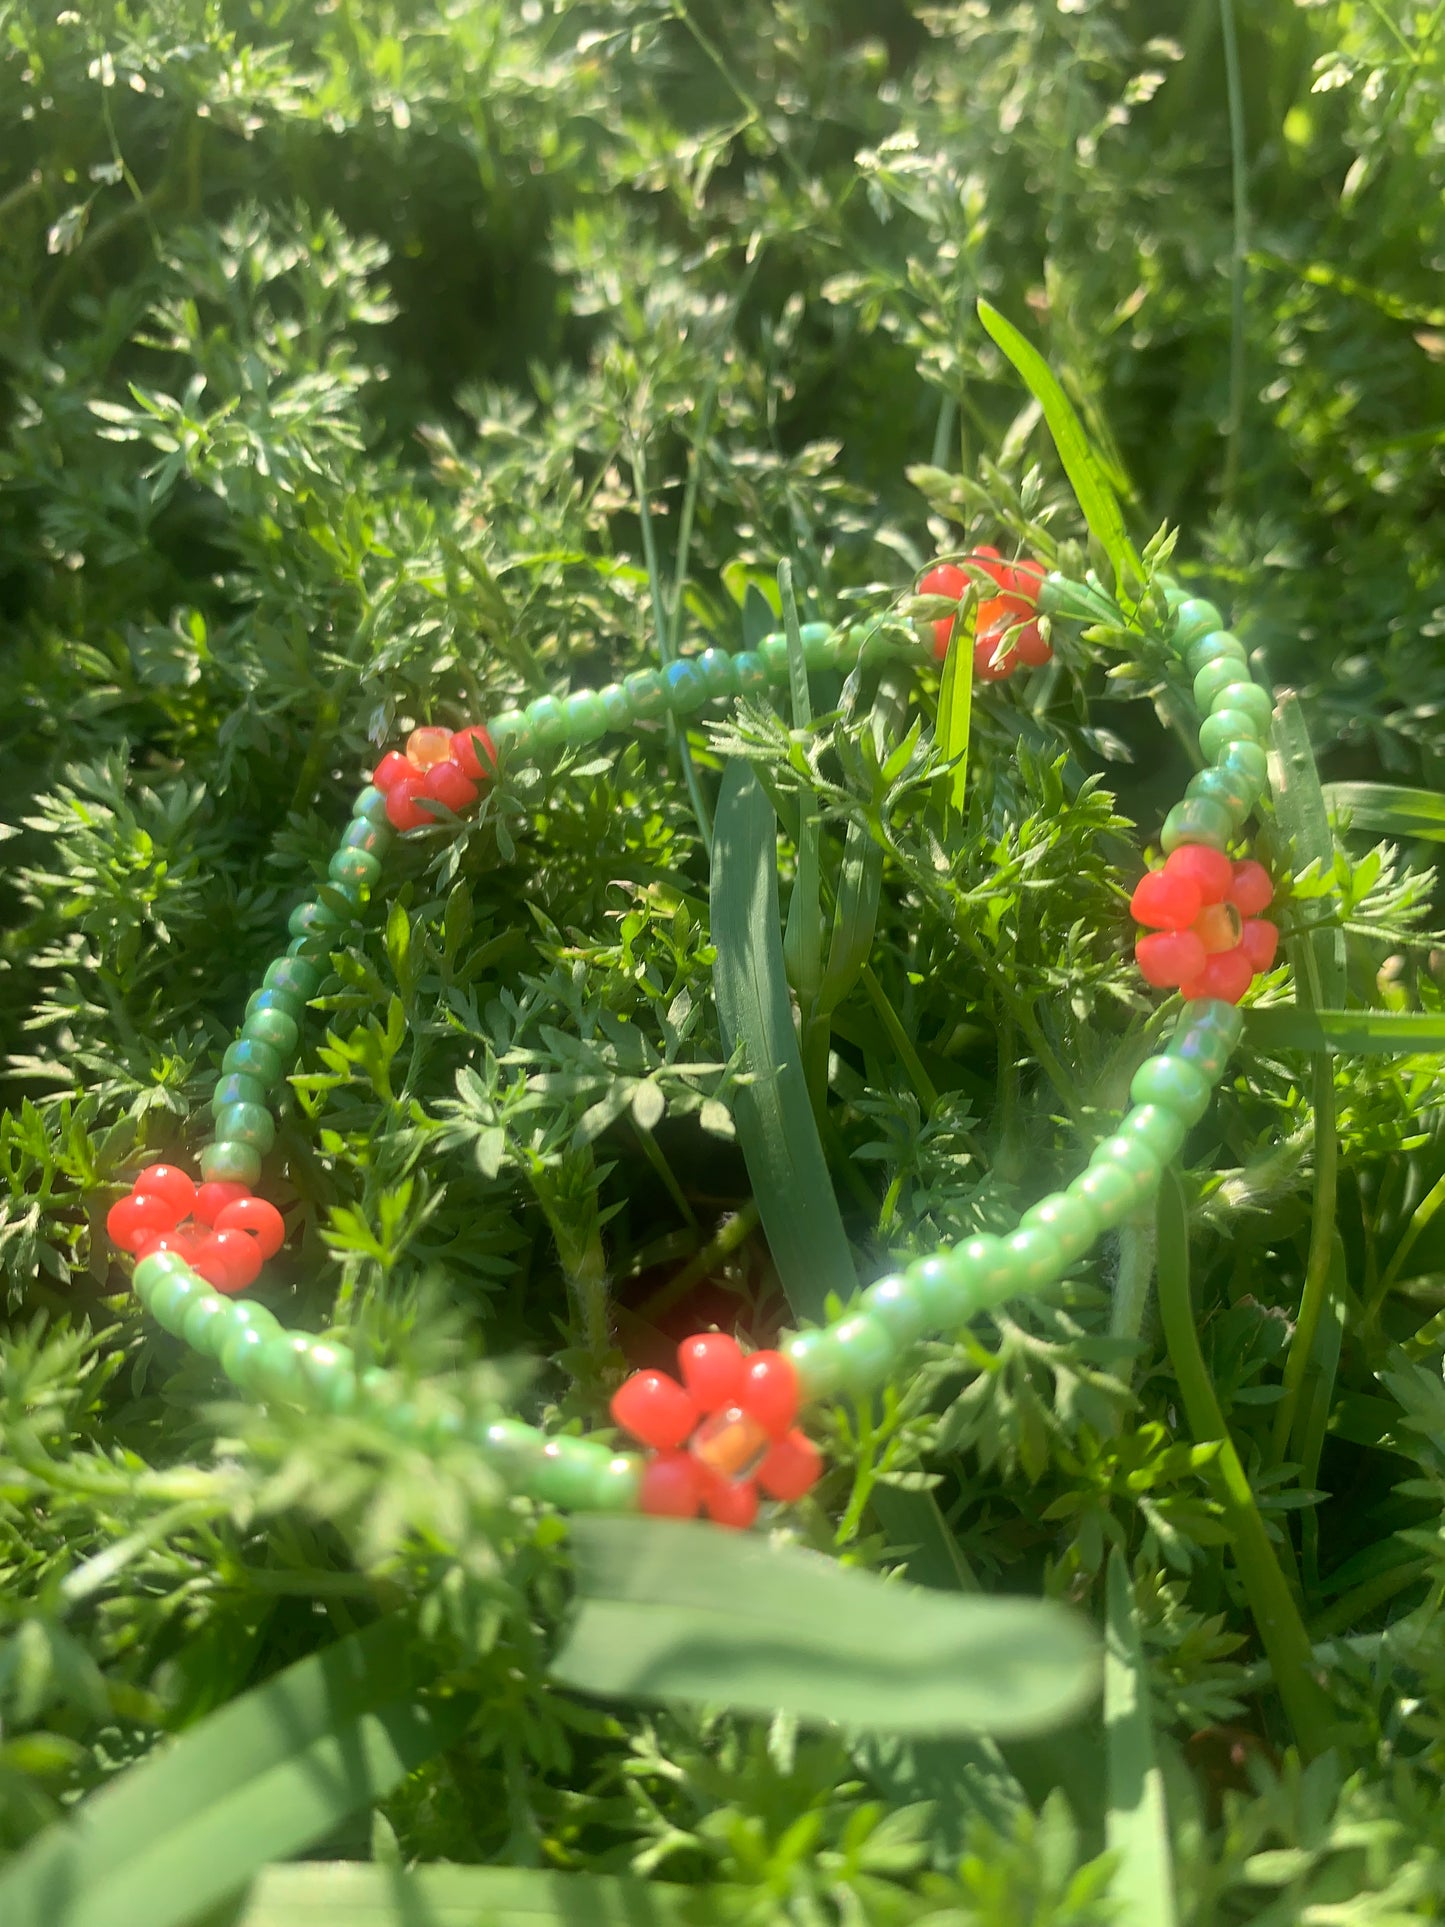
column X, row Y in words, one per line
column 1317, row 956
column 347, row 1893
column 775, row 1123
column 1086, row 473
column 676, row 733
column 1387, row 809
column 1271, row 1604
column 1136, row 1827
column 1353, row 1033
column 1238, row 250
column 955, row 714
column 1317, row 1393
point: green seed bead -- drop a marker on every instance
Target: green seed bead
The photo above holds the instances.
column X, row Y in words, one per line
column 1248, row 762
column 618, row 1486
column 1161, row 1131
column 1130, row 1153
column 1174, row 1085
column 1212, row 1013
column 236, row 1088
column 940, row 1290
column 617, row 704
column 751, row 672
column 1196, row 821
column 295, row 976
column 1196, row 617
column 819, row 644
column 814, row 1356
column 226, row 1163
column 774, row 652
column 273, row 1027
column 686, row 689
column 207, row 1323
column 1068, row 1220
column 584, row 716
column 279, row 1372
column 242, row 1356
column 646, row 692
column 249, row 1057
column 247, row 1124
column 312, row 921
column 313, row 947
column 1114, row 1192
column 341, row 902
column 514, row 1448
column 354, row 867
column 546, row 721
column 173, row 1297
column 1224, row 727
column 567, row 1472
column 1203, row 1050
column 987, row 1270
column 370, row 805
column 152, row 1270
column 899, row 1306
column 1218, row 646
column 867, row 1351
column 1250, row 700
column 1037, row 1258
column 328, row 1374
column 719, row 677
column 286, row 1001
column 374, row 839
column 1219, row 786
column 509, row 730
column 1223, row 673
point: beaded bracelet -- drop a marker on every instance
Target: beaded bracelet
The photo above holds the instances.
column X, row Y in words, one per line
column 727, row 1429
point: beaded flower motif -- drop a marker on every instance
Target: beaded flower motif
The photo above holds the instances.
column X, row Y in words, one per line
column 722, row 1434
column 230, row 1235
column 1006, row 636
column 1207, row 936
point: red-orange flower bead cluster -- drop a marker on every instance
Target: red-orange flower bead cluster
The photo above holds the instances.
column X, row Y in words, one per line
column 1006, row 635
column 443, row 766
column 1207, row 935
column 220, row 1229
column 723, row 1433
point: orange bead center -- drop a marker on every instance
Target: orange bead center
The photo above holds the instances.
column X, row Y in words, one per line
column 1218, row 927
column 731, row 1443
column 428, row 746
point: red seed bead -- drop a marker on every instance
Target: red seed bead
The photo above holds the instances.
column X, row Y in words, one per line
column 229, row 1260
column 402, row 809
column 428, row 746
column 672, row 1486
column 989, row 561
column 655, row 1409
column 475, row 754
column 984, row 666
column 1210, row 871
column 945, row 578
column 1169, row 957
column 1251, row 891
column 792, row 1467
column 131, row 1220
column 942, row 636
column 730, row 1504
column 1033, row 651
column 213, row 1197
column 712, row 1369
column 391, row 769
column 165, row 1181
column 1023, row 579
column 770, row 1391
column 254, row 1215
column 1164, row 902
column 185, row 1241
column 1259, row 940
column 445, row 783
column 1226, row 977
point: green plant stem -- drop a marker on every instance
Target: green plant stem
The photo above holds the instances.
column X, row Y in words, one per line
column 1239, row 247
column 1281, row 1630
column 922, row 1083
column 676, row 731
column 734, row 1232
column 1366, row 1597
column 1317, row 1265
column 1419, row 1221
column 1138, row 1243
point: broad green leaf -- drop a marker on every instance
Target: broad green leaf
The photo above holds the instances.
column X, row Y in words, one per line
column 347, row 1893
column 1318, row 957
column 1136, row 1826
column 775, row 1122
column 1086, row 473
column 680, row 1611
column 1358, row 1033
column 803, row 936
column 1389, row 810
column 273, row 1772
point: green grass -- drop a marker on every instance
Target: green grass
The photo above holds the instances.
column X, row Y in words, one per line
column 364, row 365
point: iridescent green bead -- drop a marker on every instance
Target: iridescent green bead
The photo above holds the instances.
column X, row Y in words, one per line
column 900, row 1306
column 751, row 672
column 719, row 676
column 1203, row 1049
column 286, row 1001
column 584, row 716
column 1196, row 617
column 686, row 689
column 328, row 1373
column 227, row 1163
column 987, row 1270
column 1037, row 1258
column 1218, row 646
column 242, row 1356
column 355, row 867
column 1196, row 821
column 279, row 1372
column 1068, row 1220
column 273, row 1027
column 1129, row 1152
column 249, row 1057
column 1114, row 1192
column 1219, row 786
column 1248, row 699
column 150, row 1271
column 1212, row 1013
column 774, row 652
column 509, row 730
column 567, row 1471
column 819, row 644
column 1224, row 727
column 370, row 805
column 646, row 692
column 1177, row 1086
column 173, row 1297
column 514, row 1448
column 939, row 1290
column 247, row 1124
column 867, row 1351
column 295, row 976
column 314, row 945
column 374, row 838
column 236, row 1088
column 1161, row 1131
column 313, row 921
column 617, row 704
column 546, row 721
column 814, row 1356
column 1223, row 673
column 207, row 1323
column 1248, row 761
column 617, row 1487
